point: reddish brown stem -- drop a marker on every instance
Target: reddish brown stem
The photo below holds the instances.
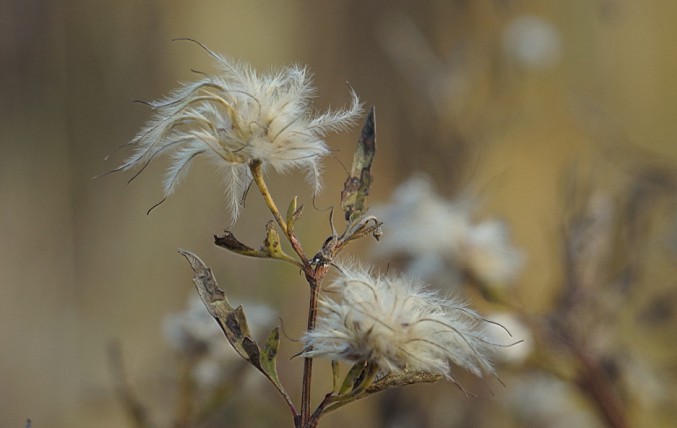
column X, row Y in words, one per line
column 308, row 362
column 314, row 279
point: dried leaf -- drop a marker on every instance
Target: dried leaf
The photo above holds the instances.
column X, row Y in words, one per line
column 232, row 320
column 253, row 351
column 356, row 187
column 234, row 324
column 271, row 248
column 230, row 243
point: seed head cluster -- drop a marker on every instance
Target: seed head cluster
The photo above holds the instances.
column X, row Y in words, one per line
column 397, row 324
column 236, row 117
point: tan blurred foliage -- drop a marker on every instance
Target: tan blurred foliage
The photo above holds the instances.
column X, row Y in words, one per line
column 82, row 264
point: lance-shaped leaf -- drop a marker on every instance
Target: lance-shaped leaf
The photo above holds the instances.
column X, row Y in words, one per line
column 293, row 214
column 230, row 243
column 351, row 378
column 232, row 320
column 268, row 356
column 271, row 248
column 234, row 324
column 291, row 208
column 356, row 187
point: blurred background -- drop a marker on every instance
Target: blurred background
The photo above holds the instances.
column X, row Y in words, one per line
column 555, row 116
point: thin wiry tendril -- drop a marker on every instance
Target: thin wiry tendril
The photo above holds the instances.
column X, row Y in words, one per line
column 156, row 205
column 158, row 151
column 177, row 100
column 467, row 342
column 287, row 126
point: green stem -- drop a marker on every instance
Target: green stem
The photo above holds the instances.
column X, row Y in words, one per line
column 255, row 167
column 257, row 174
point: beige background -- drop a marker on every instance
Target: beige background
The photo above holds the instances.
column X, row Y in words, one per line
column 81, row 264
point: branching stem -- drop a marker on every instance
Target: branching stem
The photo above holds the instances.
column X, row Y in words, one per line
column 314, row 277
column 314, row 273
column 257, row 174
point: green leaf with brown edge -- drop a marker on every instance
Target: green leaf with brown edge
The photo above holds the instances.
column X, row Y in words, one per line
column 271, row 244
column 264, row 359
column 356, row 187
column 272, row 247
column 268, row 356
column 234, row 324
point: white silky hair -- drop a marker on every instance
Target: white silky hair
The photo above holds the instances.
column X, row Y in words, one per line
column 236, row 117
column 398, row 324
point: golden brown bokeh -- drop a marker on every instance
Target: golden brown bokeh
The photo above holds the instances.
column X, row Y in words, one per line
column 83, row 265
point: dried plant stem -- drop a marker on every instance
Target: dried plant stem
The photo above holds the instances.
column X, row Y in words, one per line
column 314, row 281
column 308, row 362
column 353, row 204
column 314, row 277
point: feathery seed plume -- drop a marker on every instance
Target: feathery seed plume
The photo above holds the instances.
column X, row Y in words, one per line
column 237, row 117
column 397, row 324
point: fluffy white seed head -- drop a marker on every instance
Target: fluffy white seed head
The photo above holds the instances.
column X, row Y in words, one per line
column 238, row 116
column 397, row 324
column 439, row 236
column 488, row 253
